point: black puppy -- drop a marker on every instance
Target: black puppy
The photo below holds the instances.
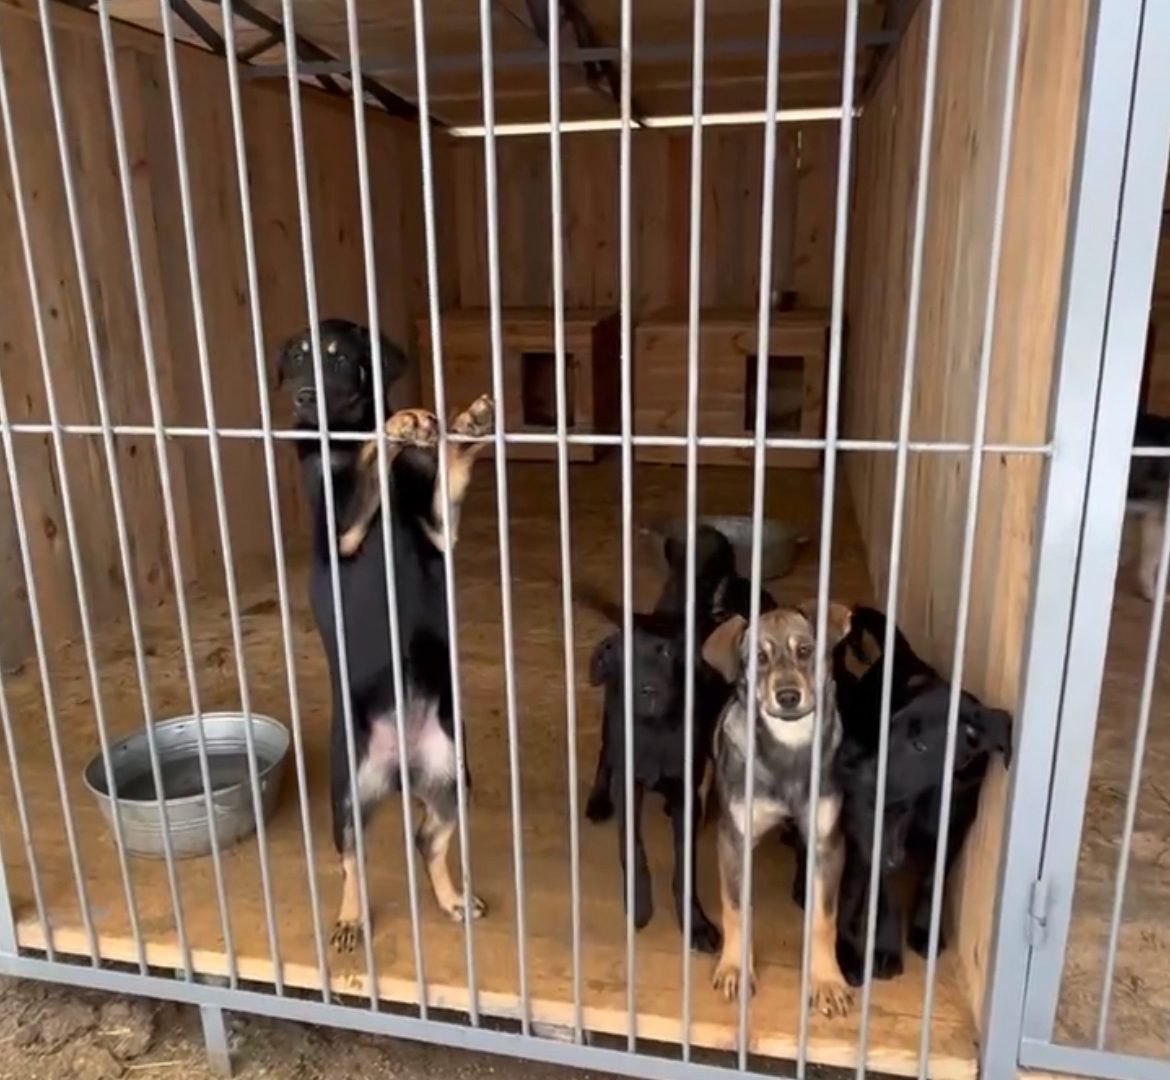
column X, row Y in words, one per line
column 916, row 748
column 416, row 520
column 659, row 758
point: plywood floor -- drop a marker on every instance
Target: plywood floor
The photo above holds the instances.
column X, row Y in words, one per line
column 1141, row 986
column 793, row 496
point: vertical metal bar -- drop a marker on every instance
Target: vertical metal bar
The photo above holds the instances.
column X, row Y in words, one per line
column 310, row 273
column 215, row 1040
column 625, row 298
column 1157, row 613
column 58, row 444
column 828, row 493
column 161, row 453
column 759, row 461
column 229, row 570
column 27, row 567
column 124, row 551
column 694, row 300
column 282, row 592
column 1134, row 255
column 971, row 522
column 433, row 302
column 1092, row 225
column 363, row 171
column 7, row 926
column 501, row 469
column 901, row 457
column 558, row 269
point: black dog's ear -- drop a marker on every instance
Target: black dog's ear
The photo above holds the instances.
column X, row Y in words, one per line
column 605, row 661
column 675, row 552
column 997, row 724
column 723, row 649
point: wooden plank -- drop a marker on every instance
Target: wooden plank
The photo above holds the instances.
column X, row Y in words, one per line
column 973, row 42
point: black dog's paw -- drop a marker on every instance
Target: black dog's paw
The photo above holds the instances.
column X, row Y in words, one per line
column 851, row 962
column 705, row 936
column 599, row 808
column 887, row 963
column 643, row 908
column 918, row 938
column 798, row 890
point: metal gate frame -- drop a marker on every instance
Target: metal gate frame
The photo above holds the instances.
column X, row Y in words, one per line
column 1115, row 227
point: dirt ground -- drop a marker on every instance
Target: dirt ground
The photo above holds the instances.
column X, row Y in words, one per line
column 50, row 1032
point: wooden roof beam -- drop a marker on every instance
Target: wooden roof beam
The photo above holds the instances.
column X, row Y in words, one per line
column 210, row 37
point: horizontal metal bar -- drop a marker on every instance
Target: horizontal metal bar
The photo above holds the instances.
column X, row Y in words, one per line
column 675, row 120
column 535, row 438
column 312, row 1011
column 521, row 58
column 1082, row 1061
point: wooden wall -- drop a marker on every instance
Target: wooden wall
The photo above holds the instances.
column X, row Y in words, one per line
column 956, row 271
column 340, row 279
column 660, row 204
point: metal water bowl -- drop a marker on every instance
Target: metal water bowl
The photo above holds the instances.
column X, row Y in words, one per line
column 779, row 541
column 182, row 781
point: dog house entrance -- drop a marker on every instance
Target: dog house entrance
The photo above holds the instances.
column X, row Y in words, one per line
column 785, row 394
column 538, row 389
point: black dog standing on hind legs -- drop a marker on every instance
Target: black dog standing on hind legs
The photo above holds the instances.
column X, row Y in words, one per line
column 416, row 523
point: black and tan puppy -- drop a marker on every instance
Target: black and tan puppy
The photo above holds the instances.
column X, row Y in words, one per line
column 415, row 523
column 785, row 695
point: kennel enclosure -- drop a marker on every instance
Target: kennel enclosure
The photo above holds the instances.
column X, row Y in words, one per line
column 949, row 193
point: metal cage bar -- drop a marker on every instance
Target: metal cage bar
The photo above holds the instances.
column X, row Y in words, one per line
column 323, row 436
column 202, row 351
column 828, row 496
column 491, row 202
column 558, row 269
column 427, row 169
column 253, row 285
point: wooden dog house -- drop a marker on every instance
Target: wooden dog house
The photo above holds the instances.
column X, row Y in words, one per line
column 728, row 342
column 592, row 380
column 956, row 267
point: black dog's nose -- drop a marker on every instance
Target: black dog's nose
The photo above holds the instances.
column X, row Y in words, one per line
column 305, row 397
column 788, row 699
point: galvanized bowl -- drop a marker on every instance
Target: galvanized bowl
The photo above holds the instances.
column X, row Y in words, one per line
column 186, row 807
column 779, row 544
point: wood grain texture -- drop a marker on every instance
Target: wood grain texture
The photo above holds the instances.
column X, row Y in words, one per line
column 964, row 152
column 660, row 226
column 219, row 237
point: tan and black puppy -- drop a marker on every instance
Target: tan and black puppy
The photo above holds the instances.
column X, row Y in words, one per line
column 785, row 694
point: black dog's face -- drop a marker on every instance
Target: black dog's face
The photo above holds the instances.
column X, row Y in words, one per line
column 346, row 370
column 657, row 669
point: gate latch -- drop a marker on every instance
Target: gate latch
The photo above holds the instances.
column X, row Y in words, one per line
column 1037, row 926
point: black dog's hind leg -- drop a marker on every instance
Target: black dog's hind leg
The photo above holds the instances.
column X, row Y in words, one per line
column 347, row 930
column 600, row 804
column 432, row 839
column 852, row 923
column 643, row 899
column 705, row 935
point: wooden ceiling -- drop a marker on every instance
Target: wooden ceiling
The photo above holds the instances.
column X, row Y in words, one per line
column 812, row 36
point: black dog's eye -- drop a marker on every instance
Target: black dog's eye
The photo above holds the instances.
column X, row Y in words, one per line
column 918, row 746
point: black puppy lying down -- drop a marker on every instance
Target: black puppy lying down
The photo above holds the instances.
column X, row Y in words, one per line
column 415, row 522
column 916, row 747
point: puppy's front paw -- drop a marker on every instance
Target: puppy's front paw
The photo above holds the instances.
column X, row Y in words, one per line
column 415, row 427
column 851, row 962
column 600, row 806
column 477, row 420
column 729, row 982
column 918, row 938
column 643, row 908
column 705, row 936
column 887, row 963
column 831, row 998
column 346, row 936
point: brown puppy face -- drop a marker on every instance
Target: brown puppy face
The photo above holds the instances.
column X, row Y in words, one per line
column 786, row 664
